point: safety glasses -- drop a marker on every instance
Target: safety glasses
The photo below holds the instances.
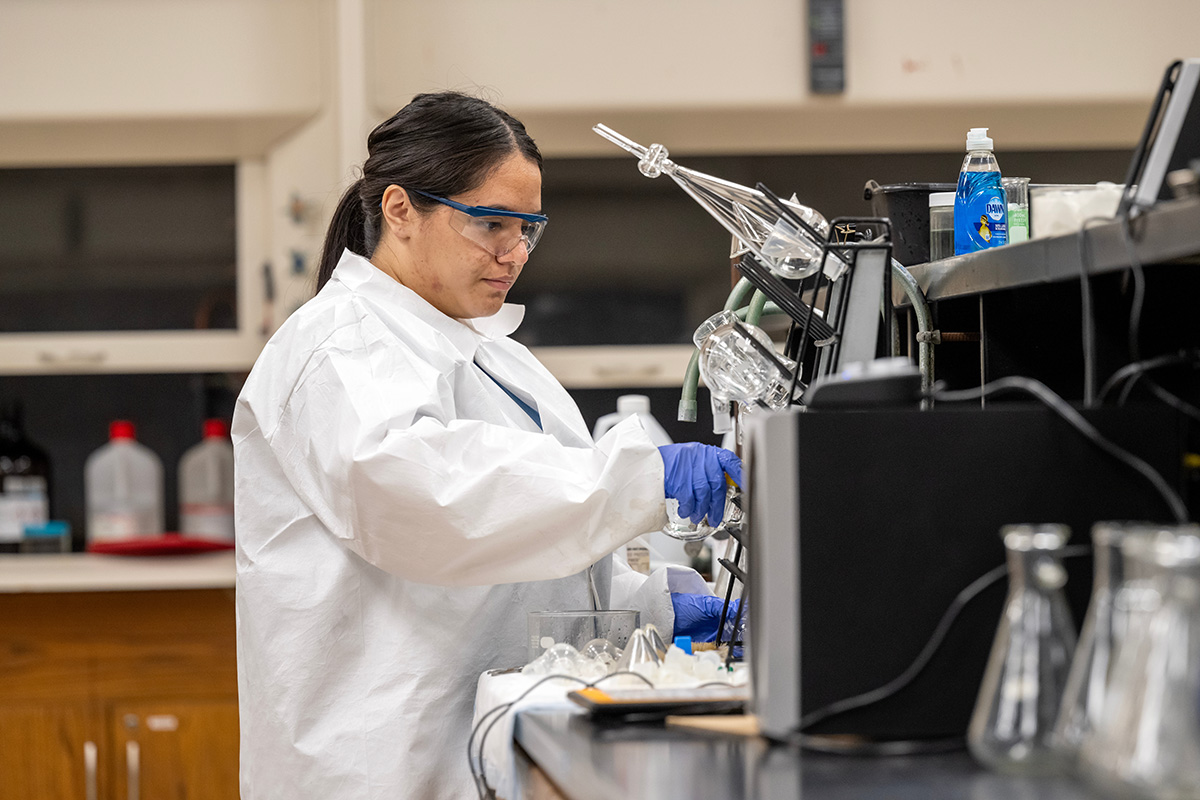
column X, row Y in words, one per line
column 494, row 229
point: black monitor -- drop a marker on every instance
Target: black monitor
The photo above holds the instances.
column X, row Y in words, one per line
column 1171, row 139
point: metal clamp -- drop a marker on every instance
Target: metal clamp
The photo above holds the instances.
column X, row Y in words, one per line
column 929, row 337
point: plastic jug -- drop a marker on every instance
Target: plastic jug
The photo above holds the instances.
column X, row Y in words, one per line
column 206, row 485
column 628, row 405
column 123, row 487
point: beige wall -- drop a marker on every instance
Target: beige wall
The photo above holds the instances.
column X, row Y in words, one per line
column 294, row 85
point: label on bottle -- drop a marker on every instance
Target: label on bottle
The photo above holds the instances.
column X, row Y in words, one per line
column 115, row 526
column 209, row 521
column 638, row 557
column 1018, row 223
column 23, row 501
column 980, row 212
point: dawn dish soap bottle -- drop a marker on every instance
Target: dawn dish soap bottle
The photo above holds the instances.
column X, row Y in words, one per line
column 980, row 208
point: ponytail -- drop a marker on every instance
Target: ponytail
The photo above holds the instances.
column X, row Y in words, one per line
column 443, row 144
column 347, row 230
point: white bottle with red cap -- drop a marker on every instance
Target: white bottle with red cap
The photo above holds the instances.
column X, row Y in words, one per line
column 206, row 485
column 123, row 488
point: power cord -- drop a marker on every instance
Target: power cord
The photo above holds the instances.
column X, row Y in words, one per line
column 831, row 744
column 1059, row 406
column 496, row 714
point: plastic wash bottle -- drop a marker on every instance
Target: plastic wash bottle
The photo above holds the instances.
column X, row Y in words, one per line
column 980, row 208
column 206, row 485
column 653, row 549
column 123, row 488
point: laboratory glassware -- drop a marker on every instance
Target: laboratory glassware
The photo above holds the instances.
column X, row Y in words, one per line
column 789, row 248
column 1147, row 743
column 1104, row 629
column 578, row 628
column 1013, row 721
column 738, row 363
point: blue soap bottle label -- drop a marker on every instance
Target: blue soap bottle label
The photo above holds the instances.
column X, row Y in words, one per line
column 980, row 212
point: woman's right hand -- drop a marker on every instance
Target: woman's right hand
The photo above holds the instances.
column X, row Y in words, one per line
column 694, row 474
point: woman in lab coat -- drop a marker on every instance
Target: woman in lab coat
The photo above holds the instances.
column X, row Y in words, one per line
column 411, row 482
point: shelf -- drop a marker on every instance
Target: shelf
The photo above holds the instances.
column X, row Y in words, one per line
column 86, row 572
column 1168, row 232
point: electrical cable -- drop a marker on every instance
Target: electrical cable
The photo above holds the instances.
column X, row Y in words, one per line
column 1088, row 319
column 1056, row 404
column 906, row 677
column 480, row 776
column 824, row 744
column 1130, row 370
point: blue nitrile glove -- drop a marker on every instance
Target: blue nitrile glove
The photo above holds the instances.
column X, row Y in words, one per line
column 694, row 475
column 698, row 615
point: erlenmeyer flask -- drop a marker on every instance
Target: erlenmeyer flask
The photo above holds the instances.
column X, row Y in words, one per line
column 1022, row 688
column 1147, row 743
column 1103, row 631
column 685, row 530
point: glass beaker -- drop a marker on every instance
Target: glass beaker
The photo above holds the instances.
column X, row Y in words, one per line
column 1013, row 722
column 1016, row 193
column 1147, row 743
column 1104, row 629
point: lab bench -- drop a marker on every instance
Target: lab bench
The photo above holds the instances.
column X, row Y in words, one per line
column 589, row 759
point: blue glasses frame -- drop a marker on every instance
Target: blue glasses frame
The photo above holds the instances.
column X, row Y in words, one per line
column 483, row 211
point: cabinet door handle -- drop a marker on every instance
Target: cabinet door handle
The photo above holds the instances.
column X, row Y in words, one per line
column 133, row 770
column 89, row 770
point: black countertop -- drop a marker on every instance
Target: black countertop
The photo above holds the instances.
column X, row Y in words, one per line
column 598, row 760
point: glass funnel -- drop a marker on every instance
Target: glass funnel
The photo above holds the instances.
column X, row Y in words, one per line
column 1147, row 743
column 779, row 242
column 1022, row 688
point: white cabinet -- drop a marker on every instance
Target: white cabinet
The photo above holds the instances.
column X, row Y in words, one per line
column 97, row 294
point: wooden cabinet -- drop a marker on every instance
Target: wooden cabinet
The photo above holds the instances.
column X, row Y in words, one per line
column 48, row 751
column 125, row 695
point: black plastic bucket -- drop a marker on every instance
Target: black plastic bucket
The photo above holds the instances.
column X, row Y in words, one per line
column 907, row 206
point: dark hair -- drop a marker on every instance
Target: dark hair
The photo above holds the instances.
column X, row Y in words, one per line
column 444, row 144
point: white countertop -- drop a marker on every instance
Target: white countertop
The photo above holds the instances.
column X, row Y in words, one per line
column 87, row 572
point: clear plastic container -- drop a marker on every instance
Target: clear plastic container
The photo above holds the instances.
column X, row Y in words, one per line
column 941, row 225
column 53, row 536
column 123, row 487
column 206, row 485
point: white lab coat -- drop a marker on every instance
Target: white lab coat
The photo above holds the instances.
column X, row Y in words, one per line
column 397, row 516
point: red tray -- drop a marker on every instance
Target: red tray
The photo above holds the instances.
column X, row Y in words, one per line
column 168, row 544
